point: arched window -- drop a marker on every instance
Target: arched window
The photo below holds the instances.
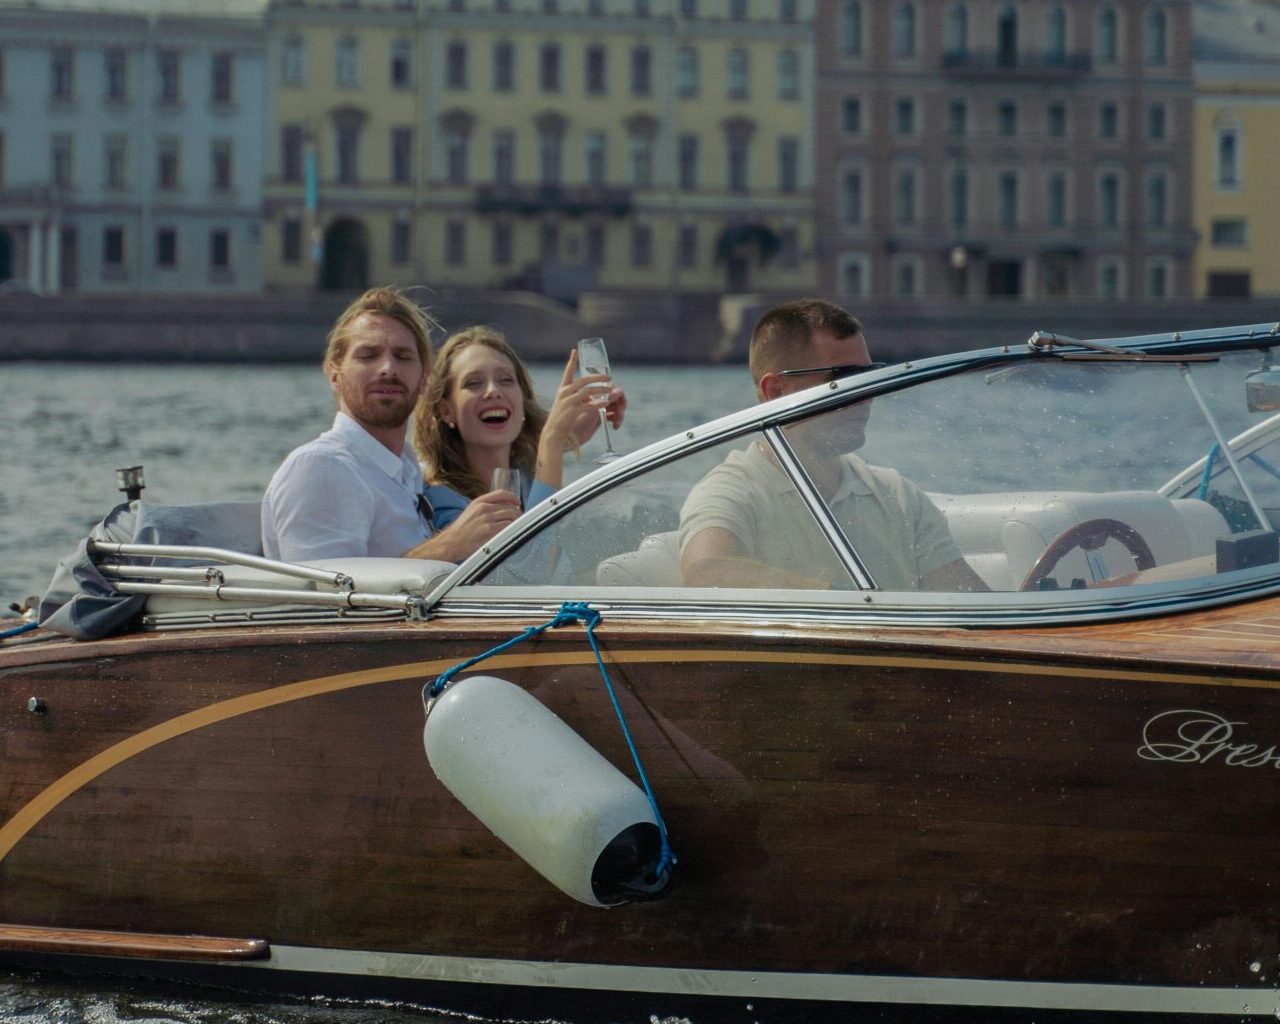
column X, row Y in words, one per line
column 904, row 30
column 1007, row 38
column 957, row 30
column 1155, row 33
column 1107, row 47
column 851, row 28
column 1055, row 36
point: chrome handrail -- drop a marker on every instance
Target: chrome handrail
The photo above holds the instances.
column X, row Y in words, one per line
column 334, row 579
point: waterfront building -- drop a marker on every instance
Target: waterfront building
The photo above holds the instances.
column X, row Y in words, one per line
column 130, row 147
column 1004, row 149
column 1237, row 131
column 628, row 146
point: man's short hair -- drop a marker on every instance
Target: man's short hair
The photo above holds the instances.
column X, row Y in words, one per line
column 383, row 301
column 782, row 337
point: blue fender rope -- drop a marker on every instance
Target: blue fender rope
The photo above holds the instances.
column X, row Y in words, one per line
column 569, row 613
column 26, row 627
column 1208, row 472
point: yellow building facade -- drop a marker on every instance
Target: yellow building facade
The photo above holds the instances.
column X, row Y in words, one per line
column 567, row 147
column 1237, row 132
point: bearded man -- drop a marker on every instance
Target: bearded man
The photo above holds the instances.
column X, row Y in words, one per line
column 355, row 490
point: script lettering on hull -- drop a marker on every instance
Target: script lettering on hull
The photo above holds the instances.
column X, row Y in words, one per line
column 1187, row 736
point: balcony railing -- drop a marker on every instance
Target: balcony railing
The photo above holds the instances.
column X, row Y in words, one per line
column 570, row 200
column 998, row 64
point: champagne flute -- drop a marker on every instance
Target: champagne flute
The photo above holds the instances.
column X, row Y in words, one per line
column 505, row 479
column 593, row 358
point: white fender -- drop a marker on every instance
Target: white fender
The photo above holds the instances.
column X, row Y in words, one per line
column 544, row 791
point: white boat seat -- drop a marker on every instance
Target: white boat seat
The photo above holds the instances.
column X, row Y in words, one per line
column 655, row 563
column 413, row 576
column 1002, row 535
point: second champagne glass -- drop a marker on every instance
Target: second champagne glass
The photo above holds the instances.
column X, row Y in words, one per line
column 508, row 480
column 593, row 358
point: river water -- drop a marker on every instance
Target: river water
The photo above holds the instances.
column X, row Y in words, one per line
column 209, row 433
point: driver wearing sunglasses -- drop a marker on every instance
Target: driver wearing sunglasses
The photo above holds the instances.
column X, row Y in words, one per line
column 745, row 525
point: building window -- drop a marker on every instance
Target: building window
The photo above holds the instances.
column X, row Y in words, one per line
column 904, row 30
column 1007, row 118
column 789, row 247
column 959, row 199
column 1108, row 120
column 504, row 67
column 1107, row 44
column 851, row 197
column 550, row 156
column 402, row 155
column 113, row 249
column 221, row 88
column 641, row 245
column 687, row 72
column 739, row 70
column 689, row 8
column 1109, row 286
column 595, row 245
column 958, row 118
column 1155, row 36
column 1156, row 122
column 455, row 243
column 401, row 241
column 291, row 139
column 687, row 255
column 504, row 156
column 1228, row 233
column 1056, row 200
column 595, row 158
column 1055, row 35
column 1227, row 151
column 61, row 160
column 170, row 62
column 168, row 165
column 788, row 75
column 549, row 67
column 455, row 75
column 291, row 241
column 850, row 28
column 640, row 150
column 739, row 153
column 222, row 165
column 1229, row 285
column 854, row 275
column 62, row 75
column 851, row 115
column 956, row 40
column 904, row 198
column 904, row 116
column 641, row 71
column 905, row 278
column 596, row 71
column 639, row 7
column 1056, row 120
column 787, row 10
column 1109, row 200
column 1007, row 38
column 291, row 61
column 1158, row 279
column 738, row 10
column 220, row 249
column 166, row 248
column 115, row 162
column 457, row 151
column 346, row 72
column 501, row 243
column 1008, row 199
column 117, row 70
column 549, row 242
column 1157, row 201
column 402, row 64
column 688, row 146
column 348, row 139
column 788, row 164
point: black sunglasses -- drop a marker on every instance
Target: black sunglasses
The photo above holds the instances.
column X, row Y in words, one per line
column 834, row 372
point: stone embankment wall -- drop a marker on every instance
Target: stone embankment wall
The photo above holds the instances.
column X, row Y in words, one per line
column 639, row 328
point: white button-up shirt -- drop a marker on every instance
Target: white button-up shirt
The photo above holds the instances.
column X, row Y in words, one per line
column 343, row 495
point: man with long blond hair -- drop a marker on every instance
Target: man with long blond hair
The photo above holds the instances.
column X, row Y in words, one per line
column 355, row 490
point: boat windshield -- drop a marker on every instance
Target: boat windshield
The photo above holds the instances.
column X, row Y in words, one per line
column 1044, row 474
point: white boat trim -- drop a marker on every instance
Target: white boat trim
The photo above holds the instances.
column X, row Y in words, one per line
column 850, row 988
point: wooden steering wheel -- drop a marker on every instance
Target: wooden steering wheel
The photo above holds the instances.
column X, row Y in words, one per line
column 1089, row 536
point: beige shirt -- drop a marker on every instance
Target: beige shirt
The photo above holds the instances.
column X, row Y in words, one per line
column 896, row 530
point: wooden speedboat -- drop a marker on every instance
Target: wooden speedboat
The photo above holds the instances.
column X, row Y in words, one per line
column 1052, row 798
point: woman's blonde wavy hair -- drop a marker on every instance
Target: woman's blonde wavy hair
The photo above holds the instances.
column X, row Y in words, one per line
column 443, row 453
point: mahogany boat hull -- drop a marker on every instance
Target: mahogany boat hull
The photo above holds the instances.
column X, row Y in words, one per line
column 976, row 820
